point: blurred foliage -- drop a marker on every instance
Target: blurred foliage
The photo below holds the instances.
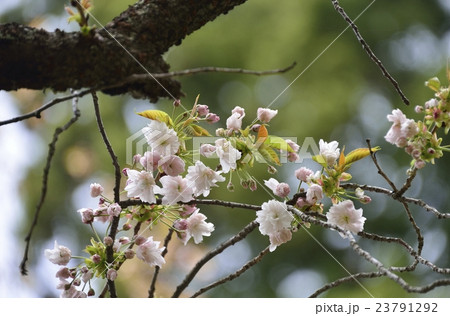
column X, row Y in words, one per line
column 334, row 94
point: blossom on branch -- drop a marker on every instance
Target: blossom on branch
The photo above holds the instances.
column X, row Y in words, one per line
column 265, row 114
column 175, row 189
column 329, row 151
column 202, row 178
column 346, row 217
column 227, row 154
column 197, row 227
column 273, row 219
column 161, row 139
column 59, row 255
column 150, row 253
column 141, row 184
column 279, row 189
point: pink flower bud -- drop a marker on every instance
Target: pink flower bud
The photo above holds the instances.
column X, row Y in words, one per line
column 114, row 209
column 295, row 147
column 125, row 172
column 282, row 190
column 111, row 274
column 202, row 109
column 129, row 253
column 256, row 127
column 126, row 226
column 87, row 215
column 63, row 273
column 303, row 173
column 150, row 160
column 293, row 157
column 96, row 258
column 124, row 240
column 212, row 118
column 253, row 185
column 181, row 224
column 418, row 109
column 96, row 189
column 172, row 165
column 419, row 164
column 188, row 209
column 140, row 240
column 265, row 114
column 207, row 150
column 108, row 241
column 238, row 110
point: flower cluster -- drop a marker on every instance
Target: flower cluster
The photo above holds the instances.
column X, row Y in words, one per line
column 163, row 183
column 419, row 139
column 277, row 222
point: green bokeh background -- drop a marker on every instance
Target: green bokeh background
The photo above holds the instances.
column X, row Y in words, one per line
column 335, row 92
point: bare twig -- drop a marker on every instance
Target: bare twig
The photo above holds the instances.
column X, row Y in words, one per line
column 142, row 77
column 37, row 113
column 418, row 202
column 369, row 51
column 380, row 171
column 46, row 171
column 353, row 277
column 151, row 291
column 193, row 71
column 190, row 276
column 234, row 275
column 117, row 176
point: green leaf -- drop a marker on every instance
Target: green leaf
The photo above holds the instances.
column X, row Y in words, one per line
column 195, row 130
column 433, row 83
column 269, row 155
column 157, row 115
column 278, row 143
column 320, row 160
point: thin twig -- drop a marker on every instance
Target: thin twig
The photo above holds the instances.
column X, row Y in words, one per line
column 190, row 276
column 187, row 72
column 142, row 77
column 37, row 113
column 234, row 275
column 151, row 291
column 380, row 171
column 45, row 174
column 117, row 176
column 369, row 51
column 390, row 193
column 353, row 277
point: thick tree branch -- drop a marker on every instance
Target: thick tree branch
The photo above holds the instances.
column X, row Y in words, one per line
column 130, row 44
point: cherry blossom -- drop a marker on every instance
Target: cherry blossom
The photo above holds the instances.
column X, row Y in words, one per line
column 96, row 190
column 346, row 216
column 202, row 178
column 161, row 139
column 197, row 227
column 141, row 184
column 273, row 217
column 265, row 114
column 314, row 194
column 303, row 173
column 150, row 253
column 227, row 154
column 172, row 165
column 329, row 151
column 59, row 255
column 175, row 189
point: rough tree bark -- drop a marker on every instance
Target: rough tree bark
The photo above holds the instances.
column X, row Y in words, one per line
column 36, row 59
